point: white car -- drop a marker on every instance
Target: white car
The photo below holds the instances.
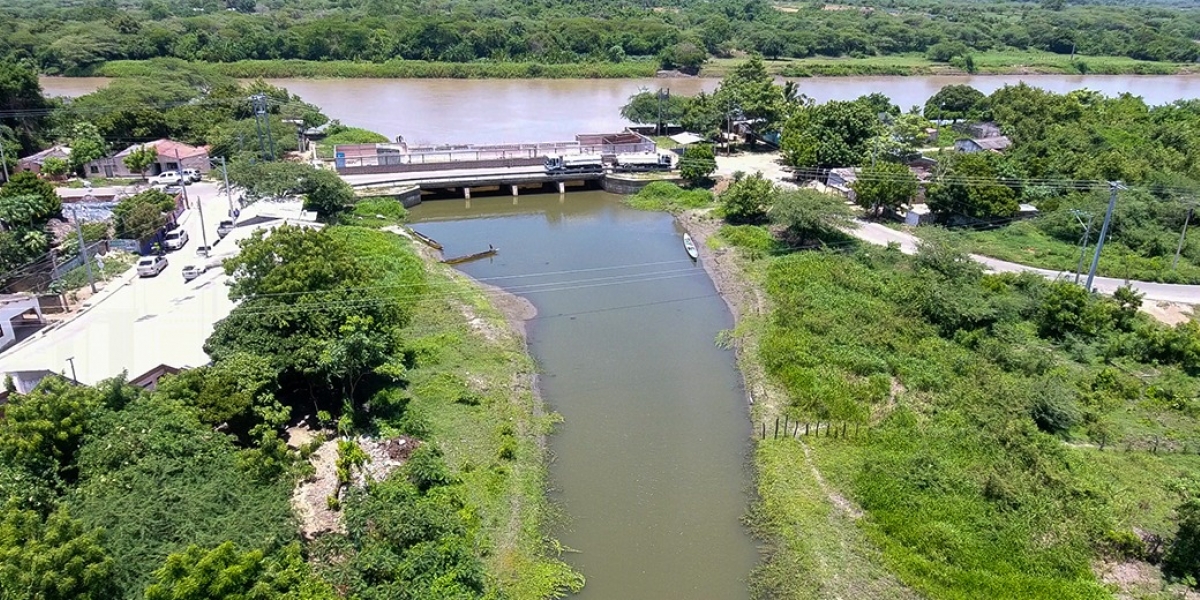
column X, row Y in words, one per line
column 191, row 272
column 149, row 266
column 166, row 178
column 175, row 239
column 192, row 175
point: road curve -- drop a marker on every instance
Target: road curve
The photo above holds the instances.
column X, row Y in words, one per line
column 1159, row 292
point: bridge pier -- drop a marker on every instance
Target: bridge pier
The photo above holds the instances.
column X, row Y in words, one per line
column 515, row 189
column 562, row 187
column 466, row 192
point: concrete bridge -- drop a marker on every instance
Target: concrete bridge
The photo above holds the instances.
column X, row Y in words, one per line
column 463, row 177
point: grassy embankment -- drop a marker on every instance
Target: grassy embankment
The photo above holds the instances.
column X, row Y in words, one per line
column 963, row 495
column 981, row 407
column 991, row 63
column 1024, row 243
column 472, row 391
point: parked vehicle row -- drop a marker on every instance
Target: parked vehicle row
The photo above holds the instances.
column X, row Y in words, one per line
column 185, row 177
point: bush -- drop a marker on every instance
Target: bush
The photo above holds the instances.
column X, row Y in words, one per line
column 698, row 163
column 666, row 196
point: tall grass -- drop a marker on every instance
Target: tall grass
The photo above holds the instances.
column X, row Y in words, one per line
column 666, row 196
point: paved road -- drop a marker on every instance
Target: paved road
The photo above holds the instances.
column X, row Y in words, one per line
column 147, row 321
column 882, row 235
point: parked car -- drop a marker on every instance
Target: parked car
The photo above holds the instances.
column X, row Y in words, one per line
column 150, row 266
column 225, row 228
column 175, row 239
column 191, row 272
column 166, row 178
column 192, row 175
column 203, row 250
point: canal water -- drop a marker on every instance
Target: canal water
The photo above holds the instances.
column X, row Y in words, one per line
column 650, row 464
column 539, row 110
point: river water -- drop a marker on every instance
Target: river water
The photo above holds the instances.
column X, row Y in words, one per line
column 540, row 110
column 650, row 462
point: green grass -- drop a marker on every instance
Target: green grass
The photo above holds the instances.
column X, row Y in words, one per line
column 376, row 213
column 666, row 196
column 115, row 264
column 250, row 69
column 1024, row 243
column 348, row 135
column 962, row 495
column 988, row 63
column 471, row 387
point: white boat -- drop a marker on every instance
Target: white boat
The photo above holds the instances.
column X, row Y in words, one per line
column 690, row 246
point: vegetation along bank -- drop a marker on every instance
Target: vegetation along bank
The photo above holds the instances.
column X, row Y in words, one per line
column 928, row 430
column 607, row 38
column 352, row 364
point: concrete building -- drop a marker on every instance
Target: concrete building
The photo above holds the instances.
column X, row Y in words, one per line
column 33, row 163
column 172, row 156
column 998, row 143
column 20, row 315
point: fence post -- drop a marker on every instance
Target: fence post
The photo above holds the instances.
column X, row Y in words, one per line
column 844, row 426
column 806, row 429
column 775, row 435
column 764, row 430
column 785, row 424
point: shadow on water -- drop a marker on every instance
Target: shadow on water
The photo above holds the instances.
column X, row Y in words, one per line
column 650, row 463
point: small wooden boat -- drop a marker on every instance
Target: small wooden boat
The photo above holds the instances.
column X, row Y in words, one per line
column 491, row 251
column 428, row 241
column 690, row 246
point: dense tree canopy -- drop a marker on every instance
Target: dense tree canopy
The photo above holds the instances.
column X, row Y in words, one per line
column 62, row 37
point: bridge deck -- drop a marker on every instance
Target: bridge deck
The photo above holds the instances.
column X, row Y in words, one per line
column 448, row 178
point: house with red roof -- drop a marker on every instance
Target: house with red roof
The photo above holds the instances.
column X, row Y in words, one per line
column 172, row 156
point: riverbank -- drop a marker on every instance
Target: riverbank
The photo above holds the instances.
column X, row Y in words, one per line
column 482, row 399
column 810, row 531
column 997, row 63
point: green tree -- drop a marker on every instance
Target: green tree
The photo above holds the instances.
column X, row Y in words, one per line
column 806, row 214
column 748, row 199
column 658, row 108
column 886, row 185
column 955, row 102
column 26, row 184
column 326, row 193
column 1183, row 556
column 749, row 90
column 834, row 134
column 55, row 167
column 140, row 159
column 235, row 394
column 22, row 108
column 702, row 116
column 224, row 572
column 698, row 163
column 1068, row 309
column 86, row 145
column 685, row 56
column 45, row 427
column 57, row 559
column 968, row 189
column 141, row 215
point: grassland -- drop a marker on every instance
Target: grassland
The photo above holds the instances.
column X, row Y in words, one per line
column 1024, row 243
column 955, row 489
column 990, row 63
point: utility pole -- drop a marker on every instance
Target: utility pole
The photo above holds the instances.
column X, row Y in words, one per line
column 228, row 191
column 1182, row 236
column 199, row 208
column 3, row 161
column 258, row 111
column 83, row 250
column 1112, row 204
column 71, row 360
column 1087, row 236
